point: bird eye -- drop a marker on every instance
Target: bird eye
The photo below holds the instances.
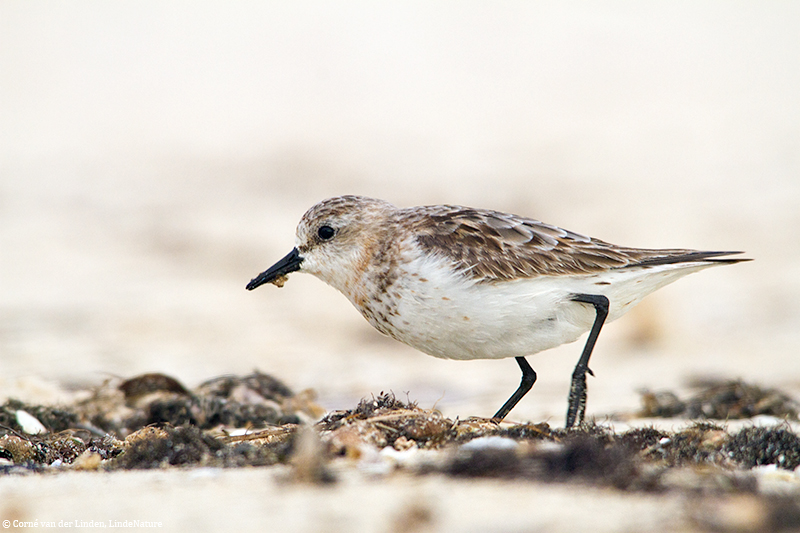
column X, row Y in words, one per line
column 326, row 233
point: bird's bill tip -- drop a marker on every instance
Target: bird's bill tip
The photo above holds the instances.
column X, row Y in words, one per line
column 277, row 273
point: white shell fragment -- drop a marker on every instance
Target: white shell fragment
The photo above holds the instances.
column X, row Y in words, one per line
column 29, row 423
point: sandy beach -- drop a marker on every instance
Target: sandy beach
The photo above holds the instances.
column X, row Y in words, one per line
column 154, row 158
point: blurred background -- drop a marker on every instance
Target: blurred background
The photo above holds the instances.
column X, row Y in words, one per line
column 154, row 157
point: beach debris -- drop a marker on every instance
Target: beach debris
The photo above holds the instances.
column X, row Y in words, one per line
column 720, row 400
column 153, row 421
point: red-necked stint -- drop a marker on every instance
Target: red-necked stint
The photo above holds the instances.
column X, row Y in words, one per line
column 463, row 283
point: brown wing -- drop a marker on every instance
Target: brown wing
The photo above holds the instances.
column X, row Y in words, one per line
column 492, row 246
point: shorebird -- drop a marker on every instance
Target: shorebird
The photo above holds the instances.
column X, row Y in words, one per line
column 463, row 283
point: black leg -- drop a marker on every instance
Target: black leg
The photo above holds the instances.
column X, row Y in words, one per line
column 577, row 391
column 528, row 379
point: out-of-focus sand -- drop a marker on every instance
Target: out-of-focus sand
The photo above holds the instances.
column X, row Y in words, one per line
column 260, row 499
column 154, row 158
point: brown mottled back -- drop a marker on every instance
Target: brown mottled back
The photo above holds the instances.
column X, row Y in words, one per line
column 493, row 246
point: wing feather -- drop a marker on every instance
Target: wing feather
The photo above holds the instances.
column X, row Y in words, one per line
column 491, row 246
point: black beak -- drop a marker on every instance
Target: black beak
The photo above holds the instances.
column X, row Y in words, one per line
column 288, row 264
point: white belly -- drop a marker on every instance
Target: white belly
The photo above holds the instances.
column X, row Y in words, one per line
column 447, row 315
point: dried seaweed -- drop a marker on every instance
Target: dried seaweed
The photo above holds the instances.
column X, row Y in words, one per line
column 721, row 400
column 153, row 421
